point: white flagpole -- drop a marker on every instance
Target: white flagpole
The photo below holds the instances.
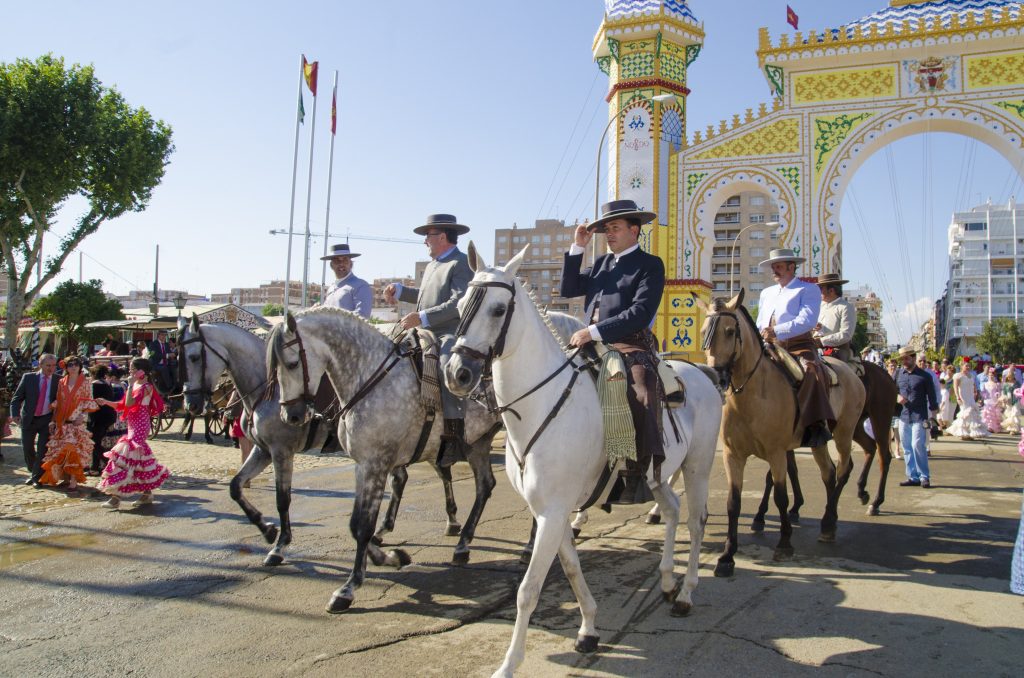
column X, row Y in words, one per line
column 291, row 209
column 309, row 194
column 330, row 176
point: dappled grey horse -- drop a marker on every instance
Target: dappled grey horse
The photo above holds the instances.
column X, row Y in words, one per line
column 381, row 427
column 209, row 349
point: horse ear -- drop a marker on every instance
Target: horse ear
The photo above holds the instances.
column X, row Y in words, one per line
column 476, row 261
column 194, row 323
column 289, row 321
column 735, row 302
column 701, row 304
column 513, row 265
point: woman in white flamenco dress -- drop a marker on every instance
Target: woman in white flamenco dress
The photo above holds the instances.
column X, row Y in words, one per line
column 968, row 424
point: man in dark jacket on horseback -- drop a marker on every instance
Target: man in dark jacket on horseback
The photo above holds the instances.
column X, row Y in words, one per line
column 787, row 313
column 623, row 292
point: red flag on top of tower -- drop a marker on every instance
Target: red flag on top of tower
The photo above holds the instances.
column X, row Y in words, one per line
column 791, row 18
column 309, row 72
column 334, row 110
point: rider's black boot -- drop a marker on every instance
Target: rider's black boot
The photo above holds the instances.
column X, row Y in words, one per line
column 453, row 443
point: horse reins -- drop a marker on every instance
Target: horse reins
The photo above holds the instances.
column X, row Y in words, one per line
column 737, row 347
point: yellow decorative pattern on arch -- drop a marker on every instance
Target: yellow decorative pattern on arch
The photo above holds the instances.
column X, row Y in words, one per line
column 1015, row 107
column 996, row 70
column 845, row 85
column 779, row 138
column 829, row 134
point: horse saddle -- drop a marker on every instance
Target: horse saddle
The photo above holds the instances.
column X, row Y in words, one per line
column 793, row 367
column 425, row 350
column 672, row 386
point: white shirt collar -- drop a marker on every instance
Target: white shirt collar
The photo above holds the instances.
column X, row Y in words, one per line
column 340, row 281
column 626, row 251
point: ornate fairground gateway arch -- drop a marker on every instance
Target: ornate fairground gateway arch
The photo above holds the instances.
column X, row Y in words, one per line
column 841, row 94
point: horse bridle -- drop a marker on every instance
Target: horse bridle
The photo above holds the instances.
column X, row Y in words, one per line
column 203, row 390
column 307, row 397
column 737, row 347
column 473, row 303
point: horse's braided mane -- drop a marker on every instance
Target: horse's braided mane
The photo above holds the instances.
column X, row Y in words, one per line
column 331, row 310
column 543, row 314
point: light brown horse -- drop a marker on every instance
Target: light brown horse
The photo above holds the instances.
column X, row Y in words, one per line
column 760, row 417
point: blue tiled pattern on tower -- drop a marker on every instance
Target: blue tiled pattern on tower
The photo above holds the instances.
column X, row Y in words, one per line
column 619, row 9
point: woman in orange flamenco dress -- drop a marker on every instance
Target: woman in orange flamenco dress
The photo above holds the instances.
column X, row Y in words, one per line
column 69, row 450
column 132, row 468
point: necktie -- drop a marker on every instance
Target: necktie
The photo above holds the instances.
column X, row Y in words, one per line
column 44, row 388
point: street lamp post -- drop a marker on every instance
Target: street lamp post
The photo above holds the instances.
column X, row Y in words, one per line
column 776, row 228
column 179, row 302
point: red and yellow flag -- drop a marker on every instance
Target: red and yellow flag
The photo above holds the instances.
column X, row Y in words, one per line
column 791, row 18
column 334, row 110
column 309, row 72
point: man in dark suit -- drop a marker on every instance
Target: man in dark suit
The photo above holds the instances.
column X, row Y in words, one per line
column 159, row 356
column 623, row 292
column 31, row 409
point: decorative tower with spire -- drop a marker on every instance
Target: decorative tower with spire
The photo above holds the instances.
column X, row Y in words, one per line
column 645, row 48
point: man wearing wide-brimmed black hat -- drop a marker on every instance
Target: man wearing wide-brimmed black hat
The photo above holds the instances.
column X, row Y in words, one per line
column 837, row 319
column 786, row 315
column 348, row 291
column 623, row 292
column 445, row 281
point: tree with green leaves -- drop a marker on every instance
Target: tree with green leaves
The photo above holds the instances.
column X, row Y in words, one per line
column 1003, row 339
column 63, row 134
column 860, row 335
column 73, row 305
column 271, row 309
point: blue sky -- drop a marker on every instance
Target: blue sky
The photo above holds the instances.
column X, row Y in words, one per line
column 479, row 109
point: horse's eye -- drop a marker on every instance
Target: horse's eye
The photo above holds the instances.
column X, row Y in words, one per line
column 498, row 310
column 729, row 332
column 193, row 358
column 291, row 366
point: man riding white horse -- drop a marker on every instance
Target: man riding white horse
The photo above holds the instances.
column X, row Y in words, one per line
column 445, row 281
column 787, row 313
column 623, row 291
column 349, row 292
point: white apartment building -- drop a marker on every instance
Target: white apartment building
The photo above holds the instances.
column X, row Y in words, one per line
column 743, row 238
column 986, row 272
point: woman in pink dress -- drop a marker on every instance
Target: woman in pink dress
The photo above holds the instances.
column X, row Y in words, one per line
column 69, row 450
column 992, row 413
column 132, row 467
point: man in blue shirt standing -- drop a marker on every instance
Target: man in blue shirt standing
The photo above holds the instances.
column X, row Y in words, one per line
column 918, row 397
column 348, row 292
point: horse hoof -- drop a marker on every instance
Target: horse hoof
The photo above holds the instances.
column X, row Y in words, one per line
column 827, row 537
column 524, row 558
column 872, row 510
column 680, row 608
column 452, row 530
column 864, row 498
column 460, row 558
column 397, row 558
column 783, row 553
column 794, row 518
column 757, row 525
column 653, row 519
column 270, row 533
column 338, row 604
column 586, row 644
column 377, row 540
column 273, row 559
column 723, row 569
column 576, row 532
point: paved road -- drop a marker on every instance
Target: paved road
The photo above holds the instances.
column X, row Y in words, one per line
column 177, row 588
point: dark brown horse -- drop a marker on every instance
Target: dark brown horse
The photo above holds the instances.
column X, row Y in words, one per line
column 879, row 408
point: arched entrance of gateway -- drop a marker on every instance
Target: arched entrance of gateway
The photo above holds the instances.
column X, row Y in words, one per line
column 944, row 66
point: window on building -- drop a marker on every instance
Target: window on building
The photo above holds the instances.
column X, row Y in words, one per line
column 754, row 270
column 757, row 251
column 757, row 235
column 535, row 239
column 727, row 218
column 757, row 218
column 547, row 238
column 733, row 201
column 757, row 200
column 975, row 226
column 773, row 217
column 502, row 238
column 547, row 251
column 546, row 273
column 756, row 287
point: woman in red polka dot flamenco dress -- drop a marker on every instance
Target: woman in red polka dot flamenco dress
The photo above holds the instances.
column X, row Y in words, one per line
column 132, row 468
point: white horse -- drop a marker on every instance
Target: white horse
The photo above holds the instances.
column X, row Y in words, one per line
column 559, row 470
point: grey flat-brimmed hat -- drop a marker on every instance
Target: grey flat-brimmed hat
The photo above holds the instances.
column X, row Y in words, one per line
column 782, row 254
column 620, row 209
column 831, row 279
column 340, row 250
column 441, row 221
column 907, row 350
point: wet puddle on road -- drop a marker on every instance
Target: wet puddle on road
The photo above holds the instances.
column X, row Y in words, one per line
column 26, row 551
